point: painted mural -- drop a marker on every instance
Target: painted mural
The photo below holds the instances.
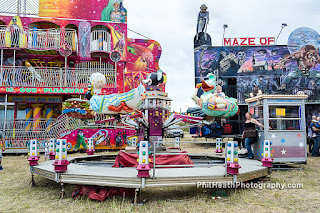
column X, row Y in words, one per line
column 143, row 58
column 105, row 10
column 119, row 44
column 114, row 12
column 103, row 138
column 15, row 36
column 84, row 39
column 271, row 69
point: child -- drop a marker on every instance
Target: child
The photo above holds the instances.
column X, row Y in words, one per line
column 219, row 103
column 219, row 92
column 317, row 122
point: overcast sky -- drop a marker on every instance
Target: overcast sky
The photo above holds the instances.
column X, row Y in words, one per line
column 173, row 24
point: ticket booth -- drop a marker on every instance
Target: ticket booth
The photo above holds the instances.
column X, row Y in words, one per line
column 283, row 117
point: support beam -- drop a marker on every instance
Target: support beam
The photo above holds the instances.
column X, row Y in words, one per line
column 63, row 193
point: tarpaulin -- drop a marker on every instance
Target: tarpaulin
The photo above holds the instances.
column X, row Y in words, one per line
column 125, row 159
column 100, row 193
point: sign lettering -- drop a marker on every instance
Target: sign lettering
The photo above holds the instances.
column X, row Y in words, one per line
column 249, row 41
column 42, row 90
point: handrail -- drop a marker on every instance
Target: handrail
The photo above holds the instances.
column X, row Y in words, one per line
column 154, row 143
column 181, row 153
column 100, row 41
column 198, row 142
column 185, row 165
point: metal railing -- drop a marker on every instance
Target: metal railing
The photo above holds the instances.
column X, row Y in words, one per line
column 242, row 93
column 206, row 164
column 18, row 131
column 100, row 41
column 52, row 77
column 42, row 39
column 71, row 39
column 65, row 124
column 26, row 7
column 13, row 36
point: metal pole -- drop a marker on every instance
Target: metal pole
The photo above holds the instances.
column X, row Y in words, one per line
column 24, row 8
column 65, row 71
column 1, row 77
column 115, row 74
column 14, row 67
column 154, row 160
column 225, row 162
column 234, row 178
column 282, row 26
column 278, row 35
column 5, row 113
column 224, row 30
column 60, row 83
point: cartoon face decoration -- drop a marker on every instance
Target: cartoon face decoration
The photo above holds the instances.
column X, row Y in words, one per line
column 307, row 57
column 97, row 81
column 241, row 57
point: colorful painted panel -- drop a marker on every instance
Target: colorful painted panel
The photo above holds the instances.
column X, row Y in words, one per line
column 103, row 138
column 143, row 58
column 271, row 69
column 119, row 44
column 15, row 35
column 114, row 12
column 105, row 10
column 84, row 39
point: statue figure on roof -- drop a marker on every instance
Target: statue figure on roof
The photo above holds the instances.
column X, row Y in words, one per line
column 203, row 19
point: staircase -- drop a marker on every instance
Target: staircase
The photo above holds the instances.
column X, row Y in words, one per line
column 64, row 125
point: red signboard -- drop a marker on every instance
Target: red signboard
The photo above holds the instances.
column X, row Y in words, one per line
column 227, row 128
column 43, row 90
column 249, row 41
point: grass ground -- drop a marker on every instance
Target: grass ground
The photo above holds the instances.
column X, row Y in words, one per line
column 16, row 194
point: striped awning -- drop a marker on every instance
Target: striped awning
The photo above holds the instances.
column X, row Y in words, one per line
column 41, row 52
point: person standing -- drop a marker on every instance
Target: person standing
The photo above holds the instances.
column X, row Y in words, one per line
column 316, row 128
column 1, row 147
column 311, row 133
column 249, row 133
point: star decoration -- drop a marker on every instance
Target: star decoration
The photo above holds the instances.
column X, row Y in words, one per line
column 301, row 144
column 273, row 136
column 283, row 152
column 283, row 140
column 259, row 135
column 299, row 135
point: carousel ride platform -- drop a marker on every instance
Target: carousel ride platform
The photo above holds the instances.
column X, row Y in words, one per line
column 97, row 170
